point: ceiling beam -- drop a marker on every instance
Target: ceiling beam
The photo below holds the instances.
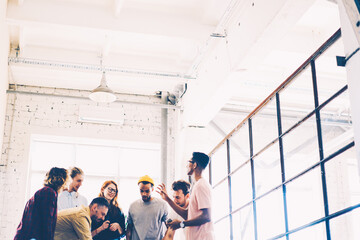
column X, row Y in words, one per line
column 246, row 35
column 78, row 15
column 252, row 38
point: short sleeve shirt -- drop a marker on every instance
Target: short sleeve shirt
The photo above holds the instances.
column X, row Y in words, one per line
column 200, row 198
column 148, row 219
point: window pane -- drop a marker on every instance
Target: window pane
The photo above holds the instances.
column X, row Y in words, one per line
column 329, row 76
column 92, row 185
column 128, row 193
column 243, row 224
column 346, row 226
column 97, row 160
column 45, row 155
column 241, row 186
column 301, row 148
column 336, row 124
column 219, row 165
column 264, row 126
column 220, row 200
column 316, row 232
column 267, row 169
column 222, row 229
column 297, row 100
column 139, row 162
column 308, row 188
column 36, row 182
column 270, row 212
column 343, row 182
column 239, row 147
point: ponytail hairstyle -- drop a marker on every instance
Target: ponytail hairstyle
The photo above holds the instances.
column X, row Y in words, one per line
column 56, row 178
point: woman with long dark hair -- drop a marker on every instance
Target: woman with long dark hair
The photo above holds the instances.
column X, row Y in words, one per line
column 40, row 213
column 113, row 227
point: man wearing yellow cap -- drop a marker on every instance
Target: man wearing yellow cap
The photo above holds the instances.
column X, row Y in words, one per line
column 147, row 216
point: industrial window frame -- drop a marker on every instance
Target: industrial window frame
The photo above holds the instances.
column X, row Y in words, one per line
column 320, row 164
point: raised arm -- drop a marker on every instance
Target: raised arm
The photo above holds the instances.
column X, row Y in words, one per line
column 161, row 189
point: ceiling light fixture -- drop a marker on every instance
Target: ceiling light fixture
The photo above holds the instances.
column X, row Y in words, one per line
column 102, row 93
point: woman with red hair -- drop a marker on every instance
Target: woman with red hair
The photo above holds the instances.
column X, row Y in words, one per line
column 113, row 227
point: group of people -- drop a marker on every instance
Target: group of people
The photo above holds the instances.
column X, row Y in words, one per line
column 49, row 215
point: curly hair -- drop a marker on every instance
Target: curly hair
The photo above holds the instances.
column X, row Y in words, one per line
column 56, row 178
column 181, row 185
column 113, row 201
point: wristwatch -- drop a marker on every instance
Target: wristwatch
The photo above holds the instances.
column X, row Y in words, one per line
column 182, row 224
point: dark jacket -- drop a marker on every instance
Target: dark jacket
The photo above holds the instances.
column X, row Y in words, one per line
column 114, row 215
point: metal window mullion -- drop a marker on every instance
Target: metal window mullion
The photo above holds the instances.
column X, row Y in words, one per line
column 210, row 171
column 321, row 149
column 331, row 216
column 282, row 163
column 229, row 186
column 253, row 178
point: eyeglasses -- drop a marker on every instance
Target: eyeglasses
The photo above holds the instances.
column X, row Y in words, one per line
column 111, row 190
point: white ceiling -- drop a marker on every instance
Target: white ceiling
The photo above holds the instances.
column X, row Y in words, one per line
column 156, row 45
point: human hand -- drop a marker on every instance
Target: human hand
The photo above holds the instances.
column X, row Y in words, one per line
column 105, row 225
column 161, row 189
column 167, row 222
column 114, row 227
column 174, row 224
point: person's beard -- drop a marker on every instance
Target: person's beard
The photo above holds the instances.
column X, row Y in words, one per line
column 146, row 199
column 95, row 219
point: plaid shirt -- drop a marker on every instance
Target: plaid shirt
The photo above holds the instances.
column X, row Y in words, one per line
column 39, row 218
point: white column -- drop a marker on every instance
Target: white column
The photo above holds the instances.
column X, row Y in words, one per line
column 164, row 139
column 4, row 51
column 349, row 16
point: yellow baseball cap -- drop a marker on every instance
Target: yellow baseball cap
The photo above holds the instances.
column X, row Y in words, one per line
column 146, row 178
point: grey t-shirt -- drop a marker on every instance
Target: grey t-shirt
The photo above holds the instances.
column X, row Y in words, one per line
column 148, row 219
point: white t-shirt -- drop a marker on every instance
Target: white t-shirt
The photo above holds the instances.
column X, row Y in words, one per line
column 70, row 200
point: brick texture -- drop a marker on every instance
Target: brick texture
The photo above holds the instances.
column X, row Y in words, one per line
column 38, row 114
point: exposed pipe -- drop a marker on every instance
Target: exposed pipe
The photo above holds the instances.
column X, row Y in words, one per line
column 157, row 105
column 89, row 67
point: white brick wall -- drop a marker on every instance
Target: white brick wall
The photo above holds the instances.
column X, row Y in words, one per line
column 35, row 114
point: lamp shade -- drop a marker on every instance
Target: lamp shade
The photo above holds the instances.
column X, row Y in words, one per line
column 102, row 93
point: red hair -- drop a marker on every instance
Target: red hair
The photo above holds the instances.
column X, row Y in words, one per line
column 113, row 202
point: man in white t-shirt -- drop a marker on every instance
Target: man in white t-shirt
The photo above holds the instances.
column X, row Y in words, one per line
column 198, row 215
column 71, row 198
column 181, row 195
